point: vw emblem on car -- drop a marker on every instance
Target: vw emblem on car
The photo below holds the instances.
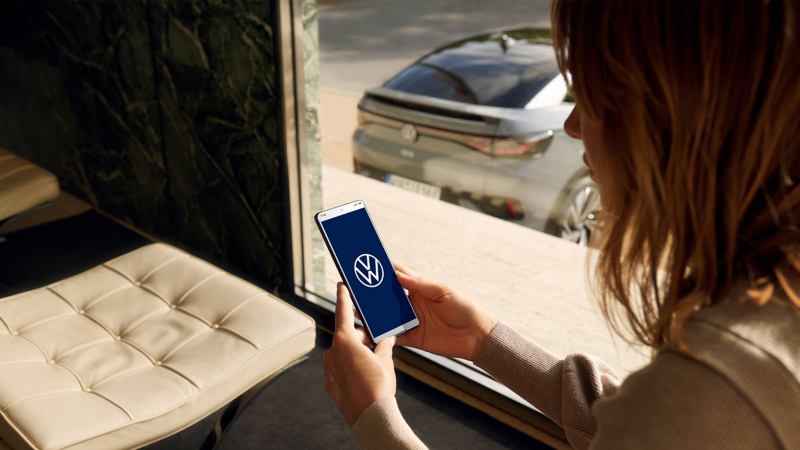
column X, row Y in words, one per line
column 369, row 271
column 409, row 133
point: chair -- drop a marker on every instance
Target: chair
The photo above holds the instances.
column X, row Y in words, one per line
column 137, row 349
column 24, row 188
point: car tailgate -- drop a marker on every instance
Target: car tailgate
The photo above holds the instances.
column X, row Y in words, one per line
column 446, row 151
column 432, row 112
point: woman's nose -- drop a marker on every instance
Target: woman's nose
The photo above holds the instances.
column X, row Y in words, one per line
column 573, row 124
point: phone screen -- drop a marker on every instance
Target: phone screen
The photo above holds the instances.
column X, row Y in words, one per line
column 363, row 262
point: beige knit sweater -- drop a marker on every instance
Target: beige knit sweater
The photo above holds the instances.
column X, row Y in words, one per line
column 738, row 389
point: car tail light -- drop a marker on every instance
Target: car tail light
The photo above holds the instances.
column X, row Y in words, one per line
column 499, row 206
column 511, row 209
column 533, row 146
column 482, row 144
column 512, row 147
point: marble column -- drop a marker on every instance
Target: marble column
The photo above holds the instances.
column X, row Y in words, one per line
column 313, row 137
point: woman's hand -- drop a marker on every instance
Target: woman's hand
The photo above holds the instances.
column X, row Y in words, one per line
column 355, row 377
column 450, row 324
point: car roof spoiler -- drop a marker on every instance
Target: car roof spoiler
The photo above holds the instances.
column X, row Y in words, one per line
column 495, row 119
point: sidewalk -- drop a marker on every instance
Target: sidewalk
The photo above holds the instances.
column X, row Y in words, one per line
column 534, row 282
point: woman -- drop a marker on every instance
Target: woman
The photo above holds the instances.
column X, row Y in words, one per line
column 690, row 116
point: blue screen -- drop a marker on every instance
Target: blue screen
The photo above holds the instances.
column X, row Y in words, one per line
column 368, row 271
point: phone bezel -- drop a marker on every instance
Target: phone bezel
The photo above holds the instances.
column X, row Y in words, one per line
column 341, row 210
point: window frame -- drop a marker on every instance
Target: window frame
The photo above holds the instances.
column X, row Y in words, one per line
column 455, row 377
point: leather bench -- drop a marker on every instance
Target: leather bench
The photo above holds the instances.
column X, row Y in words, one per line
column 23, row 185
column 137, row 349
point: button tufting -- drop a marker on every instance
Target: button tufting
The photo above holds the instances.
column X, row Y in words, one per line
column 253, row 338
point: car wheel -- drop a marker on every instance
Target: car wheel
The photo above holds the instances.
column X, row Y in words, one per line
column 575, row 216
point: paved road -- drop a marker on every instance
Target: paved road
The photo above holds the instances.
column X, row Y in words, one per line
column 364, row 42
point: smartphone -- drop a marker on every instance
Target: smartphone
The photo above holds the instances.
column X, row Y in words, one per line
column 365, row 268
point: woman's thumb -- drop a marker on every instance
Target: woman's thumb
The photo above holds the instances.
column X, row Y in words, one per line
column 418, row 285
column 384, row 347
column 407, row 281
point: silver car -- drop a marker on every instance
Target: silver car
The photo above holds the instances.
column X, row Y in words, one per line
column 479, row 122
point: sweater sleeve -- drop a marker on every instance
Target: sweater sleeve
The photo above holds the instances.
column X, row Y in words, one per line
column 563, row 389
column 382, row 427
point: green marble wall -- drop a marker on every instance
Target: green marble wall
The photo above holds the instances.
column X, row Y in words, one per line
column 216, row 80
column 78, row 98
column 165, row 114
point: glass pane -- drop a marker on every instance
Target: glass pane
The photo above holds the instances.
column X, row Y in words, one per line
column 432, row 82
column 507, row 80
column 495, row 201
column 504, row 69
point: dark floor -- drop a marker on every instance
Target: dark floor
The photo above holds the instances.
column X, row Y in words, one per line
column 293, row 412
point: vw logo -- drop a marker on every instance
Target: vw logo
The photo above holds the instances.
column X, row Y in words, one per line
column 409, row 133
column 369, row 270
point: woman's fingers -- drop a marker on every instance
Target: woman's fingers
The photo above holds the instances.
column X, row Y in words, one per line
column 384, row 348
column 420, row 285
column 402, row 268
column 362, row 332
column 416, row 284
column 406, row 339
column 344, row 313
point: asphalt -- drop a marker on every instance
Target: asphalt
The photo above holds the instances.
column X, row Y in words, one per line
column 365, row 42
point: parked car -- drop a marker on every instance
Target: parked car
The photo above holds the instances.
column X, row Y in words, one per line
column 479, row 122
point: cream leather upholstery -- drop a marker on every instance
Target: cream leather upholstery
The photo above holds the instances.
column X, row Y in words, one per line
column 23, row 185
column 135, row 350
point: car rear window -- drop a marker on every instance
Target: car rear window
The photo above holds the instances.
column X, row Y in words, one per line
column 431, row 82
column 490, row 78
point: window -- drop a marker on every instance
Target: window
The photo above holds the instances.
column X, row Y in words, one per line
column 482, row 72
column 431, row 81
column 488, row 194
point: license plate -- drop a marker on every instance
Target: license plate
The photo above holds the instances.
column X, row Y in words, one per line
column 414, row 186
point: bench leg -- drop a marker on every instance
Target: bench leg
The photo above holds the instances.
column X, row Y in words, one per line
column 5, row 223
column 236, row 407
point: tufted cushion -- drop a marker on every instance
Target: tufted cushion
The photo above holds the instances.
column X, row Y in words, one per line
column 135, row 350
column 23, row 185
